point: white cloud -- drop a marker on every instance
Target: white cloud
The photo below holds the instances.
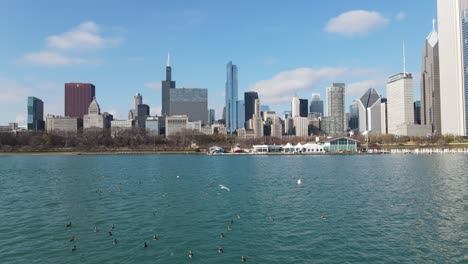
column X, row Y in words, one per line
column 400, row 16
column 51, row 58
column 21, row 119
column 152, row 85
column 356, row 23
column 85, row 36
column 116, row 113
column 284, row 85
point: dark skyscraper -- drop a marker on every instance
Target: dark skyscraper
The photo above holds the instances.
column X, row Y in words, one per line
column 78, row 96
column 249, row 101
column 316, row 105
column 143, row 111
column 35, row 114
column 417, row 112
column 303, row 107
column 166, row 86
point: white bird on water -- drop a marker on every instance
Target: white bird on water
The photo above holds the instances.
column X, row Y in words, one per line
column 299, row 182
column 177, row 176
column 224, row 188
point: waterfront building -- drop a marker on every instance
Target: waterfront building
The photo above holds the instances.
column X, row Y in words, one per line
column 296, row 106
column 336, row 108
column 453, row 32
column 211, row 116
column 301, row 126
column 94, row 118
column 12, row 127
column 316, row 105
column 176, row 124
column 430, row 83
column 240, row 114
column 303, row 107
column 152, row 125
column 78, row 96
column 342, row 144
column 354, row 115
column 122, row 124
column 231, row 97
column 249, row 102
column 314, row 126
column 63, row 124
column 370, row 108
column 194, row 125
column 166, row 87
column 383, row 116
column 35, row 114
column 192, row 102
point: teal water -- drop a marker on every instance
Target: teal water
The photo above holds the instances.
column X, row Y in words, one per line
column 348, row 209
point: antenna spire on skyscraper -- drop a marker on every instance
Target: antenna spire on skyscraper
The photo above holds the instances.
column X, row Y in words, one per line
column 168, row 63
column 433, row 24
column 404, row 58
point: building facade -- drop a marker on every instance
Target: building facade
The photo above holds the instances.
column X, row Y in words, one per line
column 142, row 112
column 152, row 125
column 176, row 124
column 166, row 87
column 354, row 116
column 240, row 114
column 316, row 105
column 231, row 97
column 211, row 116
column 430, row 83
column 336, row 108
column 296, row 106
column 370, row 112
column 301, row 126
column 122, row 124
column 384, row 116
column 249, row 102
column 453, row 104
column 94, row 118
column 58, row 124
column 400, row 102
column 303, row 107
column 35, row 114
column 192, row 102
column 78, row 96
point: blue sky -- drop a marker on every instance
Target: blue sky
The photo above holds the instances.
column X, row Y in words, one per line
column 281, row 48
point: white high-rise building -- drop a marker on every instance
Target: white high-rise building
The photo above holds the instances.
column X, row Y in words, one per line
column 295, row 106
column 453, row 22
column 301, row 124
column 400, row 103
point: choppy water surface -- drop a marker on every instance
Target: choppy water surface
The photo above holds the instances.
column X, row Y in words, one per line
column 348, row 209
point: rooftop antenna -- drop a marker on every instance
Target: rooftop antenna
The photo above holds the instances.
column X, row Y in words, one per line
column 433, row 24
column 404, row 59
column 168, row 63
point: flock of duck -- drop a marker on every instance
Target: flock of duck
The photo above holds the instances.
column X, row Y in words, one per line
column 155, row 238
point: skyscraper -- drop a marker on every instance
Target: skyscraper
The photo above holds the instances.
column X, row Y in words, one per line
column 240, row 114
column 400, row 103
column 192, row 102
column 138, row 100
column 142, row 113
column 231, row 97
column 257, row 121
column 78, row 96
column 211, row 116
column 316, row 105
column 296, row 106
column 354, row 115
column 370, row 112
column 336, row 108
column 417, row 112
column 430, row 82
column 249, row 102
column 303, row 107
column 453, row 35
column 35, row 114
column 166, row 86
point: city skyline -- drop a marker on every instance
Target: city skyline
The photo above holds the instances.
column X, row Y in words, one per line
column 119, row 64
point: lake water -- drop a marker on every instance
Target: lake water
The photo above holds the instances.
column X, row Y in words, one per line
column 348, row 209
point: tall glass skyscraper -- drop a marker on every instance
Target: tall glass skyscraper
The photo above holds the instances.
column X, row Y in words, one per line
column 231, row 97
column 249, row 102
column 35, row 114
column 316, row 105
column 166, row 87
